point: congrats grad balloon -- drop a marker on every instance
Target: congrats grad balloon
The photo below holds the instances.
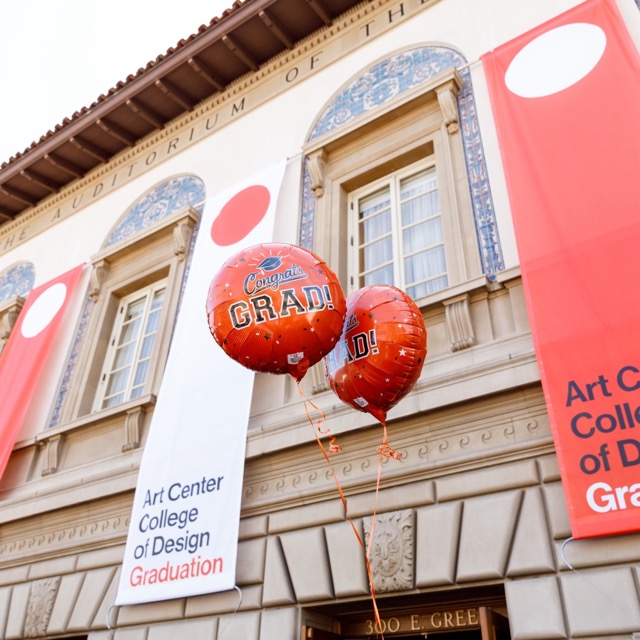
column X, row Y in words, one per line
column 380, row 354
column 276, row 308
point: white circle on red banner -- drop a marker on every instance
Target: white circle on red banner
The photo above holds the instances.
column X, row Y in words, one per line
column 240, row 215
column 44, row 310
column 556, row 60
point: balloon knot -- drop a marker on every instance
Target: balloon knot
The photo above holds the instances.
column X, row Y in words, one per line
column 387, row 452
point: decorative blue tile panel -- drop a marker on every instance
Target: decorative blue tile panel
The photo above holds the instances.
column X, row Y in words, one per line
column 386, row 80
column 161, row 201
column 17, row 280
column 71, row 363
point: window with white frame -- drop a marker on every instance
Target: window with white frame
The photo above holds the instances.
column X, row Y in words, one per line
column 131, row 346
column 397, row 234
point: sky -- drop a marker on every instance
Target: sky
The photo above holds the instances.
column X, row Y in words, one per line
column 57, row 57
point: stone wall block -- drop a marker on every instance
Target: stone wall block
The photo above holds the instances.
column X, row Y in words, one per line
column 532, row 552
column 140, row 614
column 101, row 635
column 5, row 601
column 393, row 498
column 91, row 596
column 17, row 611
column 535, row 609
column 476, row 483
column 347, row 559
column 557, row 510
column 278, row 589
column 593, row 552
column 215, row 603
column 437, row 538
column 253, row 527
column 601, row 602
column 105, row 608
column 238, row 625
column 14, row 575
column 549, row 468
column 250, row 562
column 68, row 591
column 53, row 567
column 279, row 624
column 131, row 634
column 191, row 629
column 312, row 515
column 488, row 525
column 308, row 563
column 106, row 557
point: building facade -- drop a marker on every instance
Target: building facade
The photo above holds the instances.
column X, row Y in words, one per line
column 383, row 103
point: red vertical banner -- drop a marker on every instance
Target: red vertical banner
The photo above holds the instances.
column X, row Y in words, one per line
column 566, row 100
column 26, row 351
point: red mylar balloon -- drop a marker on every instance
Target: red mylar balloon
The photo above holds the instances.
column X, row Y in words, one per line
column 276, row 308
column 380, row 354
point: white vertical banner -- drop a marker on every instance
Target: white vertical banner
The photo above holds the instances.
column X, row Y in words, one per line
column 183, row 535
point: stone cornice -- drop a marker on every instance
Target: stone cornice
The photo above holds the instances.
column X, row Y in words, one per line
column 362, row 24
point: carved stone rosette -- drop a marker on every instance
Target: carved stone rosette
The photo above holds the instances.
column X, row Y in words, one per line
column 392, row 552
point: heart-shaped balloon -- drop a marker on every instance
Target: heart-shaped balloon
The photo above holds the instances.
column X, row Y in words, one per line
column 381, row 350
column 276, row 308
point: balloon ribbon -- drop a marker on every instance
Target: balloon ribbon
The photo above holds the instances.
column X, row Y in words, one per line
column 385, row 451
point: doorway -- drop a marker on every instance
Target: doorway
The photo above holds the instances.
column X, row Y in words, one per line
column 464, row 622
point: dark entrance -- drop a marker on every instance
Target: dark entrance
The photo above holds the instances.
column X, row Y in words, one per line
column 433, row 617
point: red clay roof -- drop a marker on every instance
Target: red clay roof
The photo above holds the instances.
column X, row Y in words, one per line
column 243, row 38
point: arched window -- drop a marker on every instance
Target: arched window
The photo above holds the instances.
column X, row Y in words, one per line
column 136, row 282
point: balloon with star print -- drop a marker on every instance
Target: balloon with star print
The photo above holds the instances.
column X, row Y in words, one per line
column 276, row 308
column 381, row 350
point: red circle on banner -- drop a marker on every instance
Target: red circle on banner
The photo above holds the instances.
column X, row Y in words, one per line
column 381, row 350
column 240, row 215
column 276, row 308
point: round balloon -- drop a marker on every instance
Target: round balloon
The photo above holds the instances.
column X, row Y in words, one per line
column 381, row 350
column 276, row 308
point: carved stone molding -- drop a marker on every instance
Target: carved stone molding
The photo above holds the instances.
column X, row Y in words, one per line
column 182, row 234
column 42, row 595
column 8, row 317
column 132, row 428
column 459, row 324
column 317, row 163
column 392, row 551
column 52, row 454
column 97, row 277
column 447, row 100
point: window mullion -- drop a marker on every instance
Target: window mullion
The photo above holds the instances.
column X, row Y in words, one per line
column 139, row 342
column 396, row 222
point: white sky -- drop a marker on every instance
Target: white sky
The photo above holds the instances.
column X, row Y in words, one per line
column 59, row 56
